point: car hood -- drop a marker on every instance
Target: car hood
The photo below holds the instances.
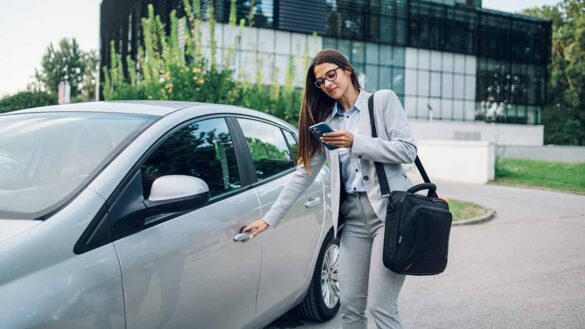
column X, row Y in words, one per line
column 12, row 227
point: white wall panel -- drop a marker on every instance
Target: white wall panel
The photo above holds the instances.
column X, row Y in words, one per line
column 248, row 64
column 229, row 36
column 398, row 56
column 411, row 58
column 422, row 110
column 204, row 34
column 372, row 73
column 435, row 84
column 500, row 134
column 424, row 59
column 282, row 42
column 470, row 87
column 447, row 62
column 300, row 71
column 372, row 52
column 458, row 113
column 435, row 104
column 411, row 82
column 469, row 109
column 219, row 56
column 458, row 86
column 266, row 40
column 398, row 80
column 249, row 38
column 266, row 62
column 423, row 78
column 385, row 77
column 436, row 61
column 281, row 62
column 470, row 65
column 315, row 45
column 410, row 106
column 447, row 91
column 299, row 43
column 446, row 108
column 387, row 56
column 459, row 63
column 478, row 167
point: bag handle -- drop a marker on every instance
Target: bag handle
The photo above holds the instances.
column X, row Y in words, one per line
column 385, row 189
column 426, row 186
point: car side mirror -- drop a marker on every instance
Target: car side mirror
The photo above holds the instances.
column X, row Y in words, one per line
column 177, row 193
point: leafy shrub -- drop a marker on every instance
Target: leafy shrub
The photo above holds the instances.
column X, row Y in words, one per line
column 168, row 71
column 26, row 99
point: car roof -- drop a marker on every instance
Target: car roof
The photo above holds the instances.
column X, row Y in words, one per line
column 149, row 107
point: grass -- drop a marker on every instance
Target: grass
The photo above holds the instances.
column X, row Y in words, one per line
column 462, row 210
column 551, row 175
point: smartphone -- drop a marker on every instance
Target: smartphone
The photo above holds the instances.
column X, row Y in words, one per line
column 319, row 129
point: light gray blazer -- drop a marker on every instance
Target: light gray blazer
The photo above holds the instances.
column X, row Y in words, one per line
column 393, row 147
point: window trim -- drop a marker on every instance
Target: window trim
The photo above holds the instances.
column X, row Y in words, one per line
column 284, row 131
column 248, row 156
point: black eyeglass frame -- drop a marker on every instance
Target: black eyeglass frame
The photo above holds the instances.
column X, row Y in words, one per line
column 321, row 81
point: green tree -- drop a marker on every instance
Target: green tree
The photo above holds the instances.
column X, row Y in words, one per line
column 66, row 63
column 564, row 116
column 26, row 99
column 88, row 86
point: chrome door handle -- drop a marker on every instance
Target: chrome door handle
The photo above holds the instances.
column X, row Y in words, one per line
column 244, row 237
column 313, row 201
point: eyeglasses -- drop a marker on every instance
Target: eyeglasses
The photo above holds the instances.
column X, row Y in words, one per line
column 330, row 75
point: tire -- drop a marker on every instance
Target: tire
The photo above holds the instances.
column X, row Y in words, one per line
column 315, row 307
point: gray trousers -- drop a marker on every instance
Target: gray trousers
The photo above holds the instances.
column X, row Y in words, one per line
column 367, row 287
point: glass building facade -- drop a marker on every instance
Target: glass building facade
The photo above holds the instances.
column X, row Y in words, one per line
column 450, row 58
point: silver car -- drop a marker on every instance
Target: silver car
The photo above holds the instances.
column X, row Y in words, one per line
column 128, row 215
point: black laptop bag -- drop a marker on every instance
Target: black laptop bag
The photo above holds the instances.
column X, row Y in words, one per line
column 416, row 240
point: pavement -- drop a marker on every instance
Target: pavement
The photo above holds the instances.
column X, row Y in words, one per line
column 523, row 269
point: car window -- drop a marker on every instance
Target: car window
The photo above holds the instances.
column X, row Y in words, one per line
column 292, row 142
column 203, row 149
column 47, row 158
column 268, row 147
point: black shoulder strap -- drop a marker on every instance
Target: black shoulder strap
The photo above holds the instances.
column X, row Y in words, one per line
column 379, row 167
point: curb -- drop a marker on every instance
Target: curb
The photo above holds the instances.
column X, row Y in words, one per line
column 533, row 187
column 488, row 216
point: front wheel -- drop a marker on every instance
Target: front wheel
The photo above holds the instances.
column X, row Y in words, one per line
column 322, row 300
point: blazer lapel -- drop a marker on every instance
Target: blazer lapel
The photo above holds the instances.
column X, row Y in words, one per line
column 364, row 125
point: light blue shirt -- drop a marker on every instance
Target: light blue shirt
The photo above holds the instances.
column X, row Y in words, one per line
column 351, row 172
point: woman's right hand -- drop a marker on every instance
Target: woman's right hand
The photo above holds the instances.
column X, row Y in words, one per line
column 260, row 225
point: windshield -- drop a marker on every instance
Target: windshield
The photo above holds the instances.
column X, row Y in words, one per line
column 46, row 158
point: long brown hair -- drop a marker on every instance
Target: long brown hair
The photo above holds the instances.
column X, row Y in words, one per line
column 317, row 105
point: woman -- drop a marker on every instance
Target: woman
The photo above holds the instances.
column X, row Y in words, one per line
column 333, row 95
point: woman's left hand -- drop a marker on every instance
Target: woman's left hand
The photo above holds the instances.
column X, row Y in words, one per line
column 339, row 138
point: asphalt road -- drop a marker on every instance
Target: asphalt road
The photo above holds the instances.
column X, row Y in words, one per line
column 523, row 269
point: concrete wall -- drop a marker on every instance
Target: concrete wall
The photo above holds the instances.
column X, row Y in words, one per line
column 460, row 161
column 543, row 153
column 499, row 134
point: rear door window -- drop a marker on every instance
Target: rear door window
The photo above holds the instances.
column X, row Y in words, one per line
column 269, row 149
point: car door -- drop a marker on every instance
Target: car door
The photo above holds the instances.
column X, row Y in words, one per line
column 287, row 251
column 184, row 270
